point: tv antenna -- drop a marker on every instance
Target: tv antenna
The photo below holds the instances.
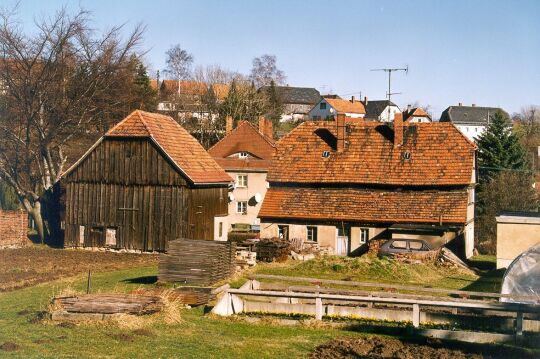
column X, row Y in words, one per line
column 390, row 93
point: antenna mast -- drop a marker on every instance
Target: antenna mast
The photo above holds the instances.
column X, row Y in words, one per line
column 390, row 93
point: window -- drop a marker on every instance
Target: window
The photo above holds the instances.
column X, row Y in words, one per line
column 312, row 234
column 364, row 235
column 243, row 155
column 241, row 207
column 416, row 246
column 326, row 154
column 283, row 232
column 241, row 180
column 406, row 155
column 399, row 244
column 220, row 229
column 322, row 106
column 110, row 237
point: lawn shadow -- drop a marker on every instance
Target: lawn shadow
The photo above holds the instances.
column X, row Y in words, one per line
column 488, row 281
column 151, row 279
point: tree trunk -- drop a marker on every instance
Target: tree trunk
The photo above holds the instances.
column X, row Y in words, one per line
column 34, row 210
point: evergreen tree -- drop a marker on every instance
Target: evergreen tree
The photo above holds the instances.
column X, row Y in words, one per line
column 499, row 148
column 145, row 96
column 274, row 105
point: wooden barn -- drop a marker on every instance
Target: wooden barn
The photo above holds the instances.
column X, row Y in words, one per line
column 145, row 182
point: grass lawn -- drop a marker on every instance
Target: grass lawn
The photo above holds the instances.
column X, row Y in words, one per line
column 197, row 336
column 384, row 270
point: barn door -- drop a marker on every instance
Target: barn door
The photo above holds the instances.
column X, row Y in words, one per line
column 97, row 237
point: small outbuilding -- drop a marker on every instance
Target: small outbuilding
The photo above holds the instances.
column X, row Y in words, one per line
column 516, row 233
column 146, row 182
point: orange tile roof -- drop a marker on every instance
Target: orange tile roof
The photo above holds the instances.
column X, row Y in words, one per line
column 154, row 84
column 365, row 205
column 439, row 155
column 181, row 148
column 416, row 111
column 221, row 91
column 187, row 87
column 346, row 106
column 244, row 138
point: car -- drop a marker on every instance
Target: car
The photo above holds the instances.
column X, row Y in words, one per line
column 398, row 245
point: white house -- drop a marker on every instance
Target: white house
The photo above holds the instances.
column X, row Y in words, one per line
column 329, row 108
column 416, row 115
column 472, row 121
column 380, row 110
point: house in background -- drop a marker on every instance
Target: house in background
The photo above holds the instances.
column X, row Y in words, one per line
column 343, row 183
column 329, row 107
column 183, row 99
column 416, row 115
column 146, row 182
column 297, row 101
column 380, row 110
column 472, row 121
column 245, row 153
column 516, row 233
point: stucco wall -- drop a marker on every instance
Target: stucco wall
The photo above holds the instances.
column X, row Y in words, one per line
column 256, row 184
column 514, row 239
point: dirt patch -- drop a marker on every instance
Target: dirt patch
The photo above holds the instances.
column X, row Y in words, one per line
column 9, row 347
column 381, row 347
column 24, row 267
column 66, row 325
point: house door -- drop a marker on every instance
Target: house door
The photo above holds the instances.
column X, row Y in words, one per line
column 342, row 240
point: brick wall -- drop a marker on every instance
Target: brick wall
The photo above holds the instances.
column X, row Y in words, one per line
column 13, row 228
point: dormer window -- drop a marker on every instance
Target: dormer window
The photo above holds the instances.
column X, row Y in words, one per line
column 243, row 155
column 406, row 155
column 326, row 154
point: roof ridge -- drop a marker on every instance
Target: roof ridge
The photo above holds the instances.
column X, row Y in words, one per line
column 143, row 121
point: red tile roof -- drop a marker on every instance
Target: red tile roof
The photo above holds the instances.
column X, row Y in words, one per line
column 415, row 112
column 439, row 155
column 346, row 106
column 181, row 148
column 187, row 87
column 244, row 138
column 365, row 205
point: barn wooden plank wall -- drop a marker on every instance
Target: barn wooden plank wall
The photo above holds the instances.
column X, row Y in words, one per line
column 129, row 188
column 197, row 262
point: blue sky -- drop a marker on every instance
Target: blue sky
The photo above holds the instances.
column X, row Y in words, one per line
column 483, row 52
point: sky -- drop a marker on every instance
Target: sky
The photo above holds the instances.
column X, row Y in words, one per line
column 469, row 51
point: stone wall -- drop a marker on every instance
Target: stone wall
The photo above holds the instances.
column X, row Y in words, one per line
column 13, row 228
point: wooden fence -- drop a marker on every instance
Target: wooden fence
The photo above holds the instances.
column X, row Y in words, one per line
column 197, row 262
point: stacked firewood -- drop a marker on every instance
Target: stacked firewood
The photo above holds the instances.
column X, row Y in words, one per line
column 269, row 250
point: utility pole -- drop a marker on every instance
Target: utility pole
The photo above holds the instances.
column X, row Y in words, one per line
column 390, row 93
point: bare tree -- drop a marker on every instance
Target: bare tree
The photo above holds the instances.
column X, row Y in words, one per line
column 179, row 63
column 57, row 81
column 265, row 70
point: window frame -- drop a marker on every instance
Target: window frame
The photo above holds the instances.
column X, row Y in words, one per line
column 314, row 233
column 243, row 155
column 241, row 184
column 399, row 240
column 241, row 207
column 322, row 106
column 364, row 231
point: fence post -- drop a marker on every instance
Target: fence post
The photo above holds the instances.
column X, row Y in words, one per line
column 318, row 308
column 416, row 315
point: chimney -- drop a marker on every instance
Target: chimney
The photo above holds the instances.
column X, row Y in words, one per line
column 459, row 104
column 352, row 99
column 473, row 105
column 228, row 125
column 398, row 130
column 265, row 127
column 365, row 100
column 340, row 130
